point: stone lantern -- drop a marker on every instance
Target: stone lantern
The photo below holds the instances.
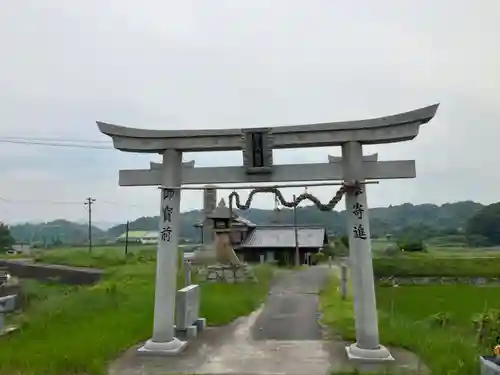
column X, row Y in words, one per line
column 224, row 252
column 221, row 218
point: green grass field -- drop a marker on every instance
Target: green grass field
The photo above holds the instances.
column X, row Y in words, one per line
column 101, row 257
column 77, row 330
column 436, row 248
column 407, row 301
column 412, row 316
column 96, row 316
column 416, row 265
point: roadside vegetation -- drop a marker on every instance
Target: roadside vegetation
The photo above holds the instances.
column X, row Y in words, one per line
column 79, row 329
column 447, row 326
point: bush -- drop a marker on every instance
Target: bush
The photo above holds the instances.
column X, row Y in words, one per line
column 476, row 240
column 487, row 326
column 344, row 240
column 318, row 257
column 411, row 245
column 336, row 249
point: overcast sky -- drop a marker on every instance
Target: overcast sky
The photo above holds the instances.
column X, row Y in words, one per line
column 165, row 64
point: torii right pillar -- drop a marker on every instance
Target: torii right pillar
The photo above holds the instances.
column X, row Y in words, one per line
column 367, row 345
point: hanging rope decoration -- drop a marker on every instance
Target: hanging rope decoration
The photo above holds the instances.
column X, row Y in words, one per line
column 276, row 203
column 291, row 204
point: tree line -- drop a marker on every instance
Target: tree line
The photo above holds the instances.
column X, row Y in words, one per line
column 475, row 222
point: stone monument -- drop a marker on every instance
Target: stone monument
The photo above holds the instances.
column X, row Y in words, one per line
column 187, row 305
column 257, row 145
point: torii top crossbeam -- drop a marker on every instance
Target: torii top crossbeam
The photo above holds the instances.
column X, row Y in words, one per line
column 395, row 128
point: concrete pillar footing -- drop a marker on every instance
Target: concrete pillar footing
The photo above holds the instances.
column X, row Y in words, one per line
column 170, row 348
column 380, row 354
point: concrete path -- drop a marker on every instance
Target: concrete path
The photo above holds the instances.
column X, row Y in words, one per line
column 283, row 337
column 291, row 311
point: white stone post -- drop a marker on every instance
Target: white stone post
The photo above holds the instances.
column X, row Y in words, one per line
column 367, row 344
column 163, row 341
column 343, row 280
column 187, row 273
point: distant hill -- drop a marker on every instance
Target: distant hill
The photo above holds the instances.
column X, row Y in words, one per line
column 104, row 225
column 151, row 223
column 57, row 231
column 429, row 219
column 426, row 220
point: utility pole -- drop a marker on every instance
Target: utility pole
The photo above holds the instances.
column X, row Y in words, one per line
column 296, row 235
column 88, row 202
column 126, row 238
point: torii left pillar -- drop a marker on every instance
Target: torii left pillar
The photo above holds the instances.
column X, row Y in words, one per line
column 164, row 341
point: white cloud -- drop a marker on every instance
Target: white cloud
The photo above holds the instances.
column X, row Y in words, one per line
column 194, row 64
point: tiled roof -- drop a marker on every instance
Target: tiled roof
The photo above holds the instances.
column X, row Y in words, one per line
column 283, row 236
column 244, row 221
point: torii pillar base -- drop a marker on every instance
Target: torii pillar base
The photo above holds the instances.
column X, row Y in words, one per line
column 169, row 348
column 380, row 354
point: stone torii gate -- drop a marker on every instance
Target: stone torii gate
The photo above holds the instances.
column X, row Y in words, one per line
column 257, row 145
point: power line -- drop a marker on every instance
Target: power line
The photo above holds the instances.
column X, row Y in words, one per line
column 55, row 144
column 51, row 139
column 29, row 201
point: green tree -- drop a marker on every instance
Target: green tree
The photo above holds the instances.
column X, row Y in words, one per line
column 6, row 240
column 340, row 248
column 411, row 245
column 66, row 231
column 344, row 240
column 485, row 224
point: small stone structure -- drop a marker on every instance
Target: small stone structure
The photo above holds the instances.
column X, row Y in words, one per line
column 489, row 366
column 10, row 285
column 4, row 276
column 7, row 304
column 229, row 273
column 187, row 309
